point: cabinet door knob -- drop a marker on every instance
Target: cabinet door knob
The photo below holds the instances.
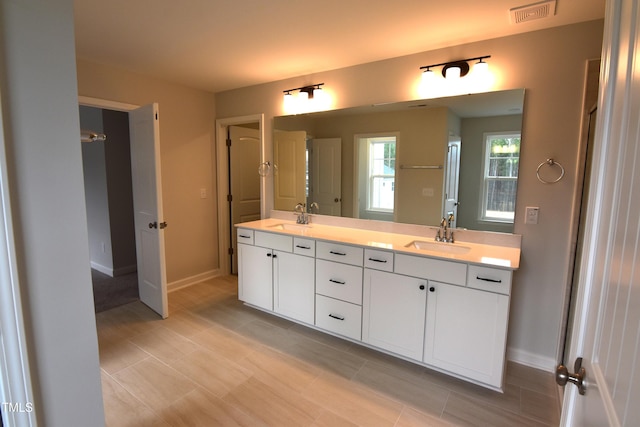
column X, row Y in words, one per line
column 432, row 289
column 422, row 287
column 269, row 254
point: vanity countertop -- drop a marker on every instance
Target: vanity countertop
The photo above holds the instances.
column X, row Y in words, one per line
column 474, row 253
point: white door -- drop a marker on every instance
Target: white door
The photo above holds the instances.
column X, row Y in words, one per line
column 326, row 176
column 452, row 180
column 244, row 153
column 144, row 128
column 290, row 179
column 606, row 327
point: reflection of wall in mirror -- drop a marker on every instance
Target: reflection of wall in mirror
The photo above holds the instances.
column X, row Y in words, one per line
column 472, row 132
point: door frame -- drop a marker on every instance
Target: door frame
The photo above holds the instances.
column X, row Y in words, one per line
column 222, row 174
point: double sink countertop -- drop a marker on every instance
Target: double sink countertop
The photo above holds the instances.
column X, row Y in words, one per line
column 489, row 255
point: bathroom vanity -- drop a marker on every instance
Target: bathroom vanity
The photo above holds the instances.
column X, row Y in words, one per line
column 441, row 305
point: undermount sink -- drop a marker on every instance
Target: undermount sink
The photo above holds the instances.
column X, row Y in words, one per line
column 291, row 227
column 449, row 248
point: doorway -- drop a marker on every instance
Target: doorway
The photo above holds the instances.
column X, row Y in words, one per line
column 238, row 171
column 109, row 203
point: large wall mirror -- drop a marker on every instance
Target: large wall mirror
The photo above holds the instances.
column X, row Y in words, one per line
column 410, row 162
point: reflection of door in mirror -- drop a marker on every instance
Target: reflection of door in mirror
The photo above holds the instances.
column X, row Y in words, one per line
column 325, row 184
column 452, row 180
column 290, row 179
column 244, row 154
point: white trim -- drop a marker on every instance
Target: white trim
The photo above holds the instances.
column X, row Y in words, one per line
column 15, row 374
column 192, row 280
column 222, row 169
column 104, row 103
column 102, row 269
column 532, row 360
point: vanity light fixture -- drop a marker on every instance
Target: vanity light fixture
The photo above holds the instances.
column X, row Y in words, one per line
column 453, row 72
column 309, row 98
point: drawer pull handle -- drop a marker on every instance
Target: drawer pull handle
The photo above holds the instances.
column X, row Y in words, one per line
column 337, row 253
column 488, row 280
column 243, row 236
column 337, row 281
column 377, row 260
column 303, row 247
column 336, row 317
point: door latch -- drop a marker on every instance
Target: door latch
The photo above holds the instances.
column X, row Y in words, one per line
column 154, row 224
column 563, row 376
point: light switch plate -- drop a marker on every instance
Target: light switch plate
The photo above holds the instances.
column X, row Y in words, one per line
column 531, row 215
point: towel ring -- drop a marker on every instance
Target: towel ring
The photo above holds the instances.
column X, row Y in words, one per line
column 550, row 162
column 265, row 167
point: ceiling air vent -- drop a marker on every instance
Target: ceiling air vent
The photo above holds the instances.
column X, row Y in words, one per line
column 539, row 10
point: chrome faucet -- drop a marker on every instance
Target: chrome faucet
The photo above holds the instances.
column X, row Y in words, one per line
column 302, row 215
column 315, row 206
column 445, row 233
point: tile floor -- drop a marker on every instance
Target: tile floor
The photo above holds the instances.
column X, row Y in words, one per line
column 216, row 362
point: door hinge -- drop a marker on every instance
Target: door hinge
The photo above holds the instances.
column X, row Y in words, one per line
column 156, row 116
column 230, row 251
column 229, row 197
column 228, row 142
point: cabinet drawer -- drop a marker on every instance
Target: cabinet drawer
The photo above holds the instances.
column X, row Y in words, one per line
column 245, row 236
column 279, row 242
column 339, row 281
column 489, row 279
column 432, row 269
column 338, row 316
column 378, row 260
column 340, row 253
column 304, row 247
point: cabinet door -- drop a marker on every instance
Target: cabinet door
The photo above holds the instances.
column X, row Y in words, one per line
column 255, row 276
column 466, row 332
column 293, row 286
column 393, row 309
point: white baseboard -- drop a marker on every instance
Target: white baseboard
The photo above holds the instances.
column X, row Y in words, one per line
column 188, row 281
column 120, row 271
column 102, row 269
column 532, row 360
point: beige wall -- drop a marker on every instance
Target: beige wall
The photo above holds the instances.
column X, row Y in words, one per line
column 187, row 122
column 550, row 65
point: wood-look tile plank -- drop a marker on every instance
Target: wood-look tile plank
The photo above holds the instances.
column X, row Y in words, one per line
column 540, row 407
column 154, row 383
column 186, row 324
column 329, row 419
column 413, row 418
column 120, row 354
column 224, row 343
column 216, row 374
column 280, row 370
column 353, row 402
column 122, row 409
column 198, row 409
column 273, row 406
column 399, row 384
column 325, row 357
column 164, row 344
column 464, row 411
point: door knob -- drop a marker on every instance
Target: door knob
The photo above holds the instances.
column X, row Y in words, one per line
column 153, row 225
column 163, row 225
column 563, row 376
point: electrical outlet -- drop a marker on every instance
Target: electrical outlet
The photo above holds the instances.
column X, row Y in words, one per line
column 531, row 215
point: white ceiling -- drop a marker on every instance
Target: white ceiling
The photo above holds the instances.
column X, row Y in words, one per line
column 218, row 45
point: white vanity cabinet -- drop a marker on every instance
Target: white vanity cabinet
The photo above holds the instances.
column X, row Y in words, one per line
column 293, row 283
column 394, row 312
column 272, row 277
column 466, row 332
column 339, row 289
column 441, row 312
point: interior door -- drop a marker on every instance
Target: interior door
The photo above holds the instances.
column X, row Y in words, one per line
column 326, row 178
column 452, row 180
column 290, row 158
column 606, row 328
column 144, row 128
column 244, row 153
